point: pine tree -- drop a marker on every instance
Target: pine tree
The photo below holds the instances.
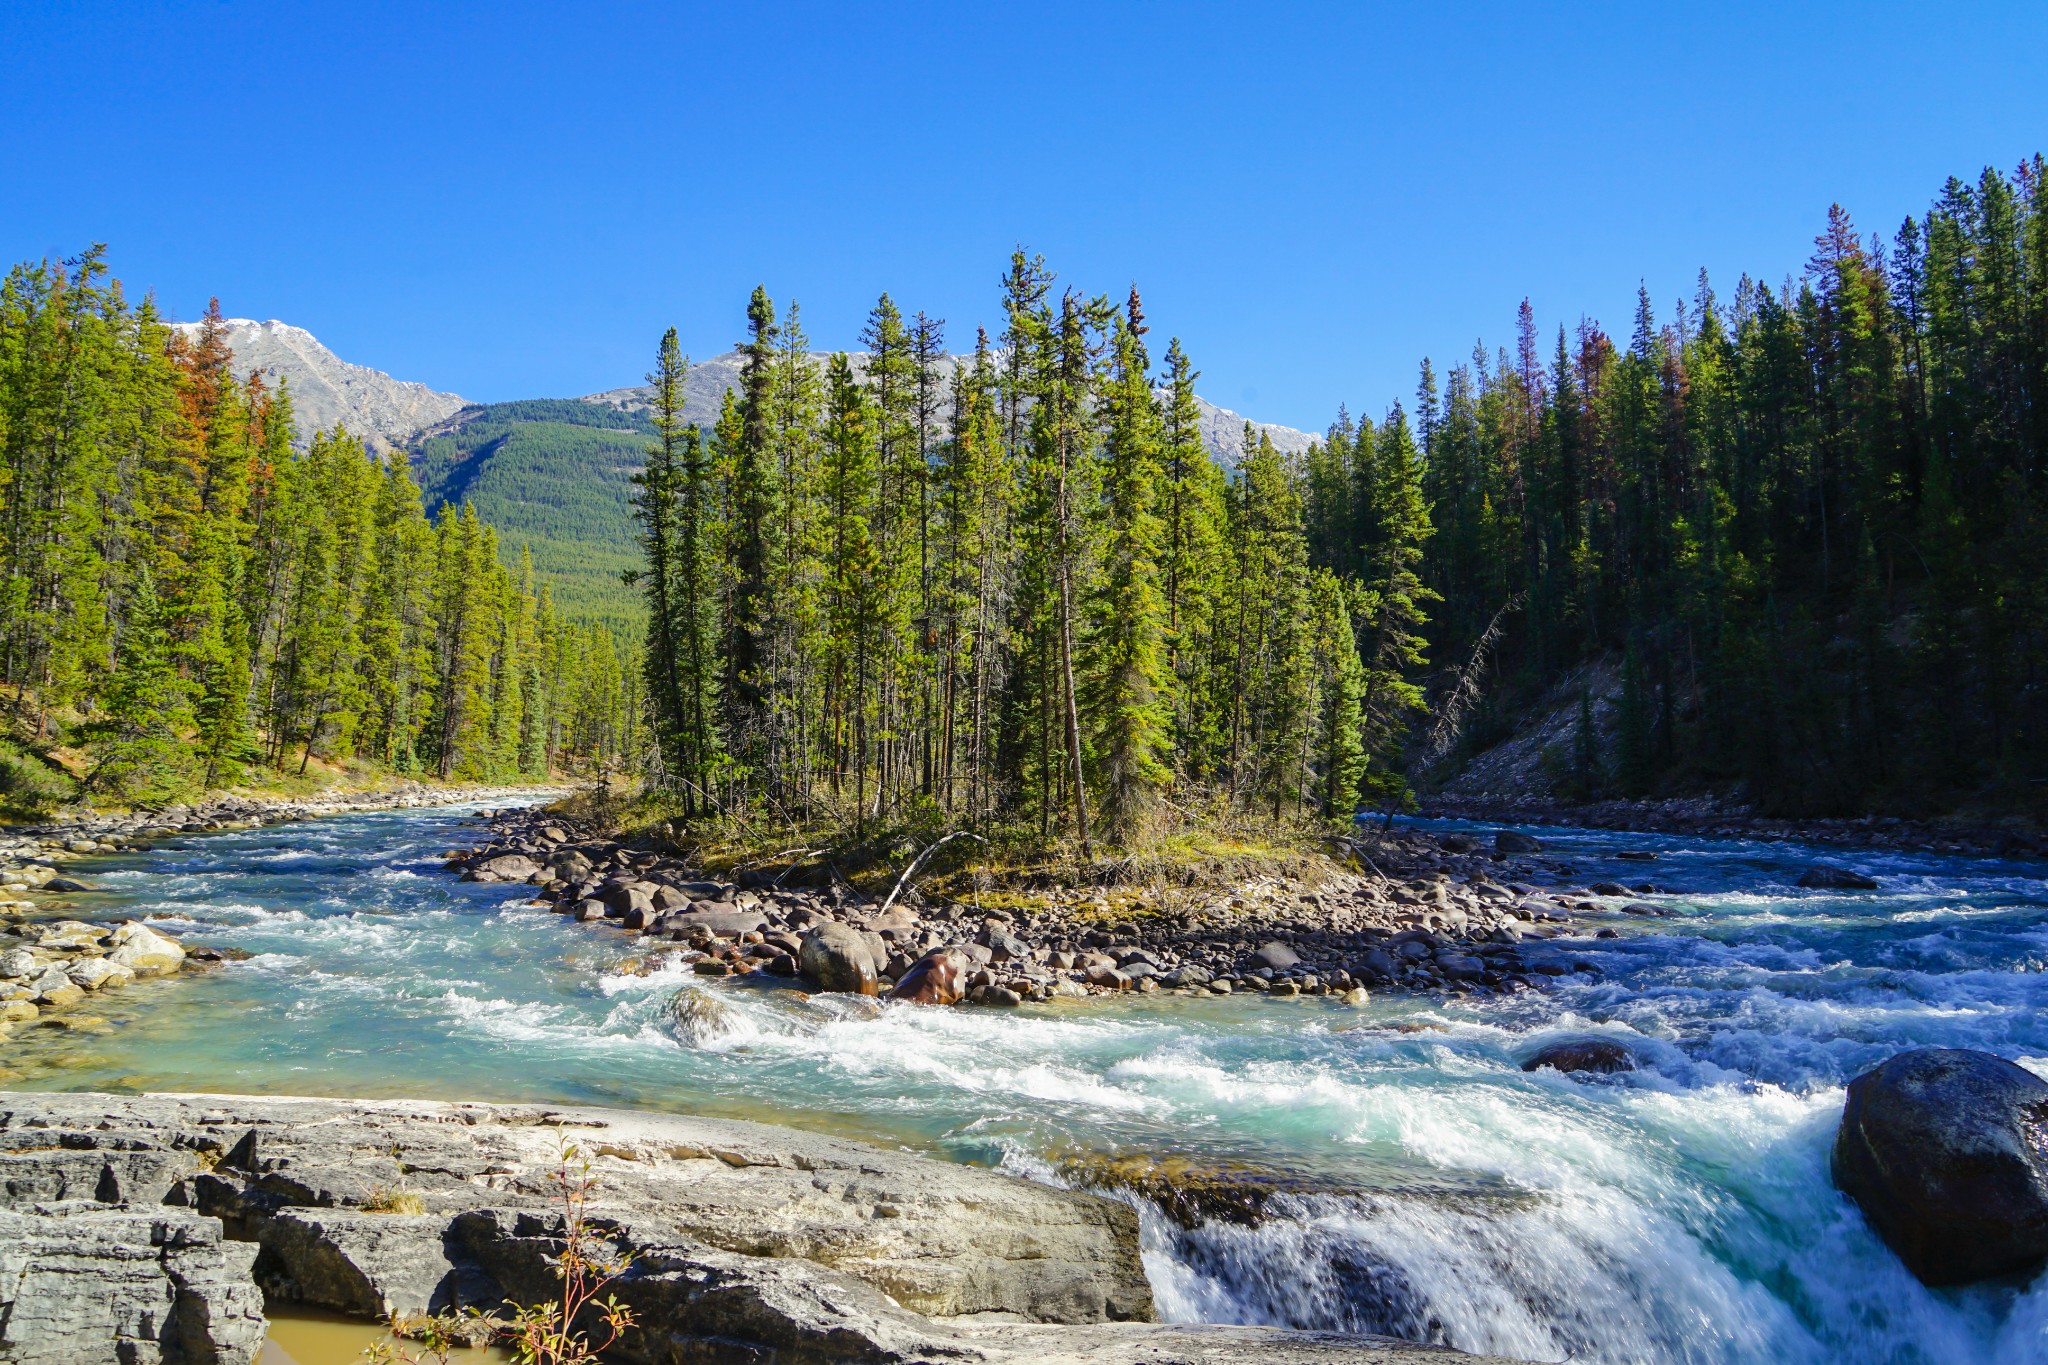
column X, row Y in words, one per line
column 136, row 743
column 1127, row 684
column 1392, row 610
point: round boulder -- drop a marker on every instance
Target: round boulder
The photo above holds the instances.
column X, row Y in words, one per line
column 1275, row 955
column 697, row 1017
column 1946, row 1153
column 937, row 978
column 1514, row 841
column 1602, row 1056
column 834, row 957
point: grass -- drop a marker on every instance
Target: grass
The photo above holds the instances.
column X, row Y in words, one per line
column 1196, row 849
column 383, row 1200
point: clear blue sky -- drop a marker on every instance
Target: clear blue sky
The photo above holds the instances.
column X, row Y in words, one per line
column 511, row 200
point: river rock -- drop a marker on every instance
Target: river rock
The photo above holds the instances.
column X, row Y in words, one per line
column 1461, row 967
column 1831, row 877
column 1004, row 946
column 56, row 989
column 509, row 867
column 836, row 958
column 16, row 963
column 722, row 923
column 144, row 951
column 65, row 884
column 937, row 978
column 629, row 900
column 1602, row 1056
column 1514, row 841
column 1375, row 967
column 698, row 1017
column 1946, row 1153
column 1275, row 956
column 97, row 973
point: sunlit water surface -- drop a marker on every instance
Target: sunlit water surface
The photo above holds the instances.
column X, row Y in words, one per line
column 1679, row 1213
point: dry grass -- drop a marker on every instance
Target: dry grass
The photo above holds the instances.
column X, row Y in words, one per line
column 1195, row 847
column 383, row 1200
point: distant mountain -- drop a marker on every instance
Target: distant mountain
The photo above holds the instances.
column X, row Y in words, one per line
column 554, row 475
column 327, row 391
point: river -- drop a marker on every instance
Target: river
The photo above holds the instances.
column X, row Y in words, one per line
column 1680, row 1213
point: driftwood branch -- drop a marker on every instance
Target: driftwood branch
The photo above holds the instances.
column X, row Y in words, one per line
column 918, row 862
column 1465, row 688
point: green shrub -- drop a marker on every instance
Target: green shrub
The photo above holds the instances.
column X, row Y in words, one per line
column 31, row 786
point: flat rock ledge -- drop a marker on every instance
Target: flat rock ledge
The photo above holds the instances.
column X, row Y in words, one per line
column 153, row 1228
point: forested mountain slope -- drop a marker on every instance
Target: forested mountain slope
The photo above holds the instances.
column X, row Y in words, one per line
column 556, row 476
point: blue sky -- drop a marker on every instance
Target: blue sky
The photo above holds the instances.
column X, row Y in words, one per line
column 511, row 200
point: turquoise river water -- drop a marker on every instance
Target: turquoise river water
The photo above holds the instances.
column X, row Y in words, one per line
column 1681, row 1213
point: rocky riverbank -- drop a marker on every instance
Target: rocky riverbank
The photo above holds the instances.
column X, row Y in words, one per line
column 1709, row 817
column 48, row 965
column 156, row 1228
column 1420, row 914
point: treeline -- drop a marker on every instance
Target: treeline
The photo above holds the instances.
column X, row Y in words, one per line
column 1800, row 528
column 185, row 596
column 1012, row 587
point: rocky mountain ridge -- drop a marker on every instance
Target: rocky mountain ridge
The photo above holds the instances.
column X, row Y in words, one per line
column 328, row 391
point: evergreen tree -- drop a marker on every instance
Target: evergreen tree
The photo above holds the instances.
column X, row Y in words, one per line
column 1127, row 682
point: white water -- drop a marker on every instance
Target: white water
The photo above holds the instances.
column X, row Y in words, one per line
column 1679, row 1213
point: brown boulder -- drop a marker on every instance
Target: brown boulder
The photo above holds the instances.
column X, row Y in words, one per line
column 836, row 958
column 937, row 978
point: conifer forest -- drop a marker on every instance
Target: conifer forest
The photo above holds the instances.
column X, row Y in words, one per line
column 1783, row 540
column 1801, row 522
column 190, row 597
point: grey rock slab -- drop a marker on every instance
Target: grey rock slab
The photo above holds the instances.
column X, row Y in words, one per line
column 749, row 1243
column 940, row 1238
column 160, row 1285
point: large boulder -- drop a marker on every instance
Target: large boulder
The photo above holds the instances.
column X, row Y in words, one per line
column 937, row 978
column 1832, row 877
column 697, row 1017
column 509, row 867
column 837, row 958
column 144, row 951
column 1514, row 841
column 1946, row 1153
column 1600, row 1056
column 722, row 923
column 1275, row 956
